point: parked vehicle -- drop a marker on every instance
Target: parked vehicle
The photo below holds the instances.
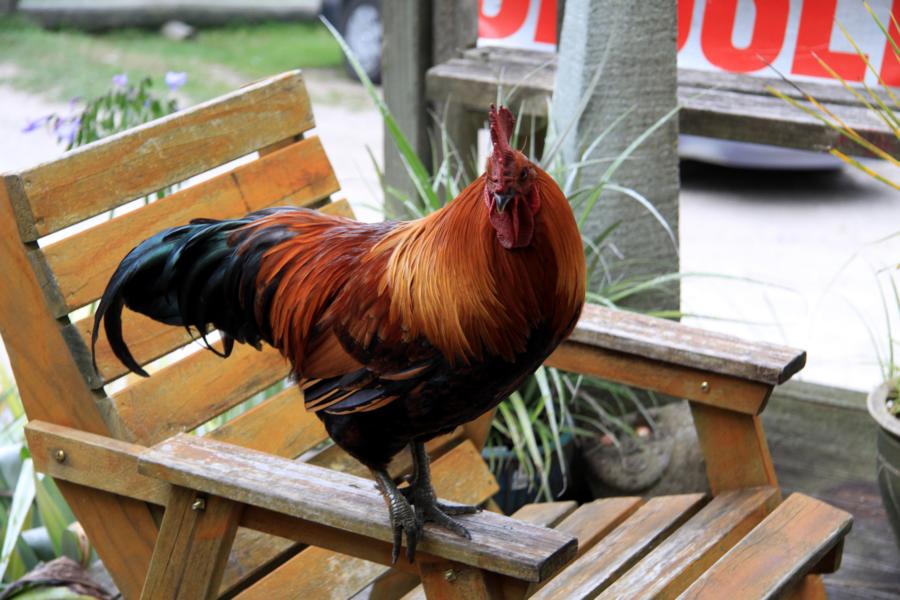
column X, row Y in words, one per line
column 359, row 21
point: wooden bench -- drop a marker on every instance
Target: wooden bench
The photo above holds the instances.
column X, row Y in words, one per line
column 261, row 505
column 713, row 104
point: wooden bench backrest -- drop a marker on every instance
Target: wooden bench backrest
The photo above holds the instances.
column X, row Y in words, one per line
column 52, row 275
column 190, row 388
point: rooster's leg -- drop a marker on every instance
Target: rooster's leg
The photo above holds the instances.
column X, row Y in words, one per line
column 403, row 518
column 421, row 493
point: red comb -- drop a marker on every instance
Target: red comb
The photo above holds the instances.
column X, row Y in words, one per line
column 502, row 124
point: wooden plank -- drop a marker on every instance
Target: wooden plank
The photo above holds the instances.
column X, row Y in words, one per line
column 313, row 573
column 595, row 520
column 193, row 545
column 92, row 460
column 734, row 449
column 686, row 554
column 628, row 543
column 327, row 498
column 299, row 174
column 281, row 425
column 672, row 342
column 715, row 104
column 52, row 389
column 777, row 553
column 149, row 339
column 546, row 514
column 633, row 44
column 729, row 393
column 193, row 390
column 134, row 163
column 406, row 54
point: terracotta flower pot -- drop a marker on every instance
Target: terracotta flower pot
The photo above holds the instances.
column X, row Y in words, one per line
column 888, row 453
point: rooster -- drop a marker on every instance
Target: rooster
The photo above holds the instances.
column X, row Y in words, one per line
column 397, row 332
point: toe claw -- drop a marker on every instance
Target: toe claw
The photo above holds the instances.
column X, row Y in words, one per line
column 457, row 509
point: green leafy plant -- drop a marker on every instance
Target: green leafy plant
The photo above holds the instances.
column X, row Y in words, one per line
column 535, row 421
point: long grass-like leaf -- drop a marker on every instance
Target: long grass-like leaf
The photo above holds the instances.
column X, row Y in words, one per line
column 23, row 496
column 415, row 168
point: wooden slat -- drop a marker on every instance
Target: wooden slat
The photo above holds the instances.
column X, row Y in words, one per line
column 326, row 498
column 734, row 449
column 149, row 339
column 686, row 554
column 777, row 553
column 595, row 520
column 192, row 391
column 713, row 104
column 618, row 551
column 299, row 174
column 448, row 580
column 739, row 395
column 193, row 545
column 52, row 389
column 311, row 574
column 281, row 425
column 546, row 514
column 134, row 163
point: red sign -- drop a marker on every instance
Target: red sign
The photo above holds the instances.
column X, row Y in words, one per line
column 738, row 36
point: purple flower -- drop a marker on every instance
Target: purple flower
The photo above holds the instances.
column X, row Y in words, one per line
column 36, row 124
column 73, row 103
column 67, row 129
column 120, row 80
column 176, row 79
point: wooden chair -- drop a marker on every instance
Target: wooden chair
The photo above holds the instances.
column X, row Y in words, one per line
column 235, row 513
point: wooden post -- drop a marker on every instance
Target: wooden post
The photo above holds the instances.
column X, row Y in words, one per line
column 634, row 44
column 455, row 28
column 406, row 56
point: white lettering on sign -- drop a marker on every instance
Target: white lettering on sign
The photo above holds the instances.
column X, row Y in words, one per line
column 740, row 36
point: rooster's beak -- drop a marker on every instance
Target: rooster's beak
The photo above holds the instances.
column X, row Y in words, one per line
column 501, row 200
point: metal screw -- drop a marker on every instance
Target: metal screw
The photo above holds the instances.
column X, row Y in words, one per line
column 704, row 387
column 199, row 504
column 450, row 575
column 59, row 455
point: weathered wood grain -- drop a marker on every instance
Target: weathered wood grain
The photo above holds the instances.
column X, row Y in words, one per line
column 672, row 342
column 673, row 565
column 627, row 544
column 777, row 553
column 299, row 174
column 722, row 105
column 92, row 460
column 331, row 499
column 712, row 389
column 192, row 547
column 589, row 524
column 148, row 339
column 734, row 449
column 52, row 389
column 193, row 390
column 318, row 573
column 134, row 163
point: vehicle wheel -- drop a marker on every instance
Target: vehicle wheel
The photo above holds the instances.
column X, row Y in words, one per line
column 362, row 28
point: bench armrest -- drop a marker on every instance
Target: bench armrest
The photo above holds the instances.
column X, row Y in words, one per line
column 672, row 342
column 346, row 512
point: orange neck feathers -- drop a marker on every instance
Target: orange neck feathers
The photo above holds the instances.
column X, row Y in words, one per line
column 450, row 279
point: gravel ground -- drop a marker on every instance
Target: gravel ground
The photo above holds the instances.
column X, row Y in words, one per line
column 806, row 232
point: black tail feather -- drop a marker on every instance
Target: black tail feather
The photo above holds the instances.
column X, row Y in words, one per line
column 193, row 276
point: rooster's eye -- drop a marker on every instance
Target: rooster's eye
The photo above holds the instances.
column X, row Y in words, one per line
column 523, row 175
